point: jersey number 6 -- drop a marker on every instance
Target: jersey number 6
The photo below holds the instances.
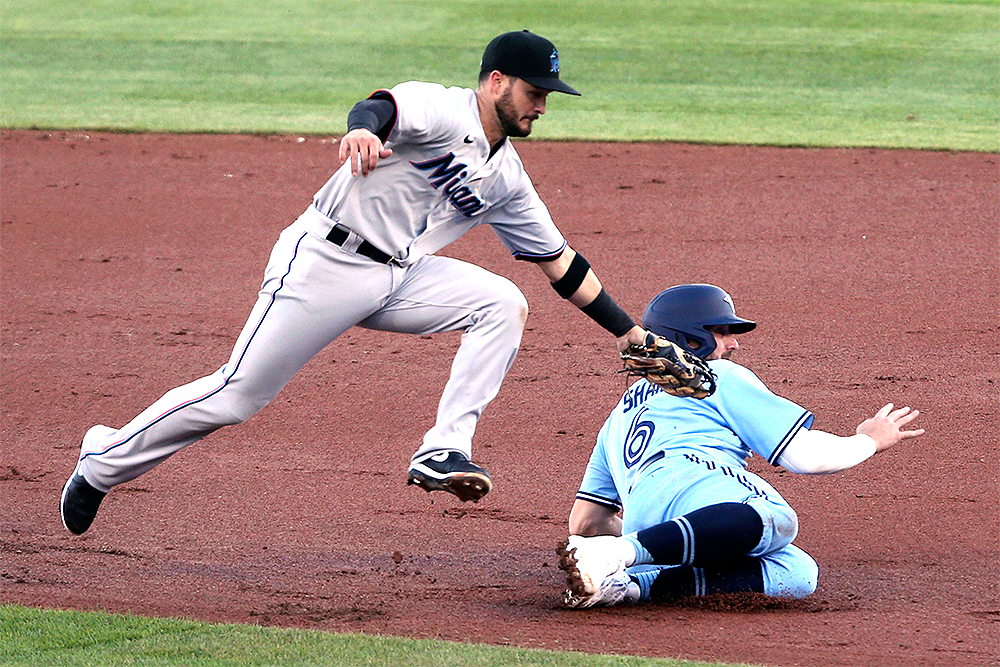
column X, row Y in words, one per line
column 639, row 435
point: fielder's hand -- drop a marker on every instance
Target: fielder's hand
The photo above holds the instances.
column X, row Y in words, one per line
column 672, row 368
column 363, row 149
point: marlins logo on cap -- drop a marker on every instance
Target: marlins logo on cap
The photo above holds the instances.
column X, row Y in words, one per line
column 527, row 56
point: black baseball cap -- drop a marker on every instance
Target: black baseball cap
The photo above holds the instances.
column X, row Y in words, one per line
column 527, row 56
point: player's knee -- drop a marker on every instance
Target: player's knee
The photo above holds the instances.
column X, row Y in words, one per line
column 246, row 409
column 786, row 525
column 242, row 401
column 519, row 306
column 511, row 304
column 781, row 526
column 518, row 312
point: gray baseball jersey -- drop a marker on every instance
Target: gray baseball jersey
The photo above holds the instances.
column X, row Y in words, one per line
column 440, row 182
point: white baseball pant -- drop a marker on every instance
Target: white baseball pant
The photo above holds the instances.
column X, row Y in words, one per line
column 313, row 291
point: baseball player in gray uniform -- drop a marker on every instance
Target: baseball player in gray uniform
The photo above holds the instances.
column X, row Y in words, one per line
column 422, row 164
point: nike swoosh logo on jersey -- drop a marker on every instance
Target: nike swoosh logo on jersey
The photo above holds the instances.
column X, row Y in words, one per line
column 469, row 139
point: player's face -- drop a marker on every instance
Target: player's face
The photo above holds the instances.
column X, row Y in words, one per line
column 725, row 343
column 519, row 105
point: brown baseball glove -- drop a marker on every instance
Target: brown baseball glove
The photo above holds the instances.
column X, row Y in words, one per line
column 672, row 368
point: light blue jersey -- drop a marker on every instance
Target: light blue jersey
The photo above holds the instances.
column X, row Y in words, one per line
column 649, row 426
column 659, row 457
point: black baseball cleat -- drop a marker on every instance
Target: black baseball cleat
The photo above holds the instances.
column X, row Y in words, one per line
column 79, row 504
column 450, row 471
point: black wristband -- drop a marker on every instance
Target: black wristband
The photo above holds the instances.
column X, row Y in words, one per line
column 573, row 278
column 608, row 314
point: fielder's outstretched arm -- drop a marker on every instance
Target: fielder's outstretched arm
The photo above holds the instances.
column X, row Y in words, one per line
column 574, row 280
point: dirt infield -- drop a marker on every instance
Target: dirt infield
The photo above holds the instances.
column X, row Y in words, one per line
column 129, row 263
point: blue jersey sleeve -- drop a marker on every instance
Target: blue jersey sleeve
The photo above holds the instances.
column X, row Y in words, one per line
column 598, row 484
column 763, row 421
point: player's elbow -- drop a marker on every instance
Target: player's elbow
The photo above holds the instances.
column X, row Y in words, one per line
column 590, row 519
column 594, row 528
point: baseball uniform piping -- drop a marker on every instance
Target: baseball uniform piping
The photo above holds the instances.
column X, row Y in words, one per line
column 806, row 418
column 597, row 500
column 547, row 257
column 225, row 382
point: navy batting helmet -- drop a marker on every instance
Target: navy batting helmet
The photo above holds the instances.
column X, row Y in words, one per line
column 684, row 313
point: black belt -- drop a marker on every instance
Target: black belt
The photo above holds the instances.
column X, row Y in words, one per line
column 339, row 235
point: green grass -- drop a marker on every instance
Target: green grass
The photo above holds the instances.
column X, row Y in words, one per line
column 835, row 72
column 34, row 637
column 887, row 73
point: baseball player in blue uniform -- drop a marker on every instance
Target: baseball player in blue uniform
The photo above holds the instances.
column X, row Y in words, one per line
column 693, row 520
column 422, row 164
